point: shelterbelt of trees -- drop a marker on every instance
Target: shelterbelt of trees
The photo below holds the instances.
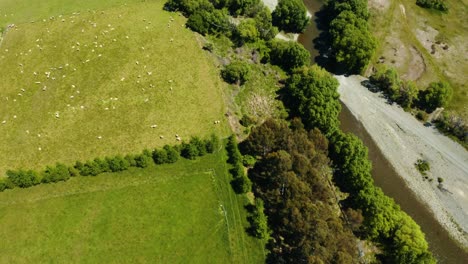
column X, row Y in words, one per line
column 291, row 168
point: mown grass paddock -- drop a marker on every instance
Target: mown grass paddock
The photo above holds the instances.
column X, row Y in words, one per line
column 175, row 213
column 93, row 82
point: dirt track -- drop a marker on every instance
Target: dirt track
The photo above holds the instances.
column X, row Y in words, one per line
column 403, row 140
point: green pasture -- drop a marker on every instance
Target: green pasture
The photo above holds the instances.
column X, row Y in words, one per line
column 179, row 213
column 101, row 82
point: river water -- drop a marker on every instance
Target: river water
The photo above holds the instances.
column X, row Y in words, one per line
column 441, row 245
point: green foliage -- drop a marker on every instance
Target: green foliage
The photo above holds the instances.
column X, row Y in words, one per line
column 357, row 7
column 384, row 221
column 248, row 161
column 290, row 16
column 288, row 54
column 241, row 183
column 237, row 72
column 259, row 221
column 263, row 22
column 172, row 154
column 210, row 22
column 55, row 174
column 314, row 97
column 247, row 30
column 438, row 94
column 242, row 7
column 160, row 156
column 22, row 178
column 189, row 151
column 212, row 144
column 405, row 93
column 433, row 4
column 422, row 166
column 353, row 43
column 188, row 7
column 290, row 176
column 142, row 160
column 118, row 163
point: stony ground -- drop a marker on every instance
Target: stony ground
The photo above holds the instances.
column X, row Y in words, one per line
column 403, row 140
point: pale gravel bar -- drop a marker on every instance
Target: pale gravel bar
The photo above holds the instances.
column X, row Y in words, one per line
column 403, row 140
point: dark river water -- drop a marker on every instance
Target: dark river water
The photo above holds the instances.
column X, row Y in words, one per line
column 441, row 245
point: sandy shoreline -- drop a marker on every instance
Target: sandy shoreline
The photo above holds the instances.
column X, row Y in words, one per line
column 403, row 140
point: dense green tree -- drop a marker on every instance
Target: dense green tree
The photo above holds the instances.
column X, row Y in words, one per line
column 56, row 173
column 353, row 45
column 188, row 7
column 290, row 16
column 210, row 22
column 142, row 161
column 189, row 151
column 172, row 154
column 433, row 4
column 288, row 54
column 23, row 178
column 289, row 178
column 242, row 7
column 264, row 22
column 357, row 7
column 438, row 94
column 237, row 72
column 160, row 156
column 247, row 30
column 314, row 97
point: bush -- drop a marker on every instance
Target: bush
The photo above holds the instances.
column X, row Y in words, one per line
column 242, row 7
column 440, row 180
column 189, row 151
column 6, row 184
column 248, row 161
column 55, row 174
column 210, row 22
column 237, row 72
column 172, row 154
column 118, row 163
column 188, row 7
column 160, row 156
column 259, row 221
column 131, row 160
column 212, row 144
column 290, row 16
column 199, row 144
column 422, row 166
column 23, row 178
column 288, row 54
column 433, row 4
column 142, row 160
column 437, row 94
column 264, row 22
column 241, row 184
column 247, row 31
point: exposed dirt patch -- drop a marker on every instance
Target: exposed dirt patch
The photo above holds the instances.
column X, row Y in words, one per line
column 380, row 5
column 416, row 67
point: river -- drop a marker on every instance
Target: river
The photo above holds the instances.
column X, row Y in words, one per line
column 445, row 249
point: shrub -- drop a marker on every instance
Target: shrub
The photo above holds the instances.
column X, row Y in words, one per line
column 55, row 174
column 23, row 178
column 241, row 184
column 290, row 16
column 102, row 164
column 433, row 4
column 199, row 144
column 422, row 166
column 5, row 184
column 73, row 171
column 242, row 7
column 189, row 151
column 237, row 72
column 131, row 160
column 210, row 22
column 247, row 31
column 288, row 54
column 172, row 154
column 259, row 221
column 160, row 156
column 118, row 163
column 188, row 7
column 142, row 161
column 440, row 180
column 212, row 144
column 248, row 161
column 437, row 94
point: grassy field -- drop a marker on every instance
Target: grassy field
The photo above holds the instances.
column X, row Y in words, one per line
column 424, row 45
column 180, row 213
column 93, row 83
